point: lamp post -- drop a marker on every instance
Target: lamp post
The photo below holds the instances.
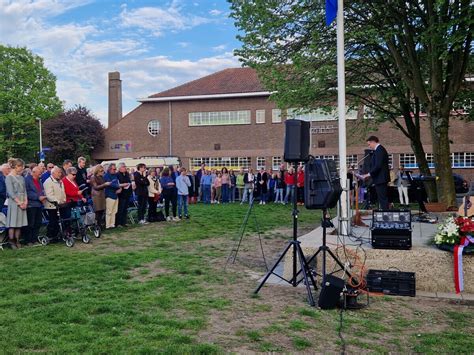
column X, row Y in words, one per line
column 41, row 139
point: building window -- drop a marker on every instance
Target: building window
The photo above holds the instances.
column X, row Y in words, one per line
column 244, row 162
column 260, row 116
column 218, row 163
column 469, row 160
column 319, row 115
column 260, row 162
column 219, row 118
column 276, row 162
column 457, row 160
column 408, row 160
column 154, row 128
column 390, row 161
column 351, row 160
column 462, row 160
column 276, row 115
column 430, row 160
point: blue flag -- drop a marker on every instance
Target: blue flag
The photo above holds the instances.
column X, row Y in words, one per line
column 331, row 11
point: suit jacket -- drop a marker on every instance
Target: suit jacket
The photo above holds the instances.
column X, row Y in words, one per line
column 379, row 170
column 32, row 192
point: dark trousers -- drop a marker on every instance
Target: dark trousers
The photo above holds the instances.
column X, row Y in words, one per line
column 141, row 206
column 382, row 195
column 169, row 195
column 121, row 215
column 34, row 223
column 99, row 217
column 152, row 215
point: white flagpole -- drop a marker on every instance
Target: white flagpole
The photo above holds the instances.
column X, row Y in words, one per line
column 341, row 107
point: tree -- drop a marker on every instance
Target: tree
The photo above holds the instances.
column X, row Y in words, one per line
column 27, row 92
column 294, row 53
column 73, row 133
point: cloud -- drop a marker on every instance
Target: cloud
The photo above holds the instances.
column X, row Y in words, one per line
column 23, row 24
column 127, row 47
column 82, row 54
column 157, row 20
column 219, row 48
column 215, row 12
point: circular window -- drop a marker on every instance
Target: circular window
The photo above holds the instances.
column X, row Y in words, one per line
column 154, row 127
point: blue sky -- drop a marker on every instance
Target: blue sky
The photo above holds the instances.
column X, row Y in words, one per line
column 155, row 45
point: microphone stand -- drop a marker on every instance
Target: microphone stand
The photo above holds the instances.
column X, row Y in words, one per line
column 357, row 218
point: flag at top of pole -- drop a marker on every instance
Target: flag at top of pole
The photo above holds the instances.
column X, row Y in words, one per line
column 331, row 11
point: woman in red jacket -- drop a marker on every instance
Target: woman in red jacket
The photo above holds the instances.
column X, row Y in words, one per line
column 290, row 184
column 73, row 194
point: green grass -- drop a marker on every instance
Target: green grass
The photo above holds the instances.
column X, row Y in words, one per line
column 159, row 288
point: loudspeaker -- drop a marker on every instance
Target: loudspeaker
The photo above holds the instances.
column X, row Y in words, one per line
column 322, row 186
column 296, row 141
column 331, row 290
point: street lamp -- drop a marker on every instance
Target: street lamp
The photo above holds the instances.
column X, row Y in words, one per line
column 41, row 139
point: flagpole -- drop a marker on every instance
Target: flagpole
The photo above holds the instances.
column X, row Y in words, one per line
column 341, row 107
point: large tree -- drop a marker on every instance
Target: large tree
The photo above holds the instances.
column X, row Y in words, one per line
column 73, row 133
column 294, row 53
column 27, row 92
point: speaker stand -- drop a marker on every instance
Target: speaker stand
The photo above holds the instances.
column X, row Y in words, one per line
column 324, row 249
column 297, row 255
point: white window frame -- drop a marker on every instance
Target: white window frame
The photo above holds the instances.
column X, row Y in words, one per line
column 260, row 116
column 276, row 115
column 154, row 128
column 261, row 163
column 276, row 162
column 412, row 158
column 219, row 118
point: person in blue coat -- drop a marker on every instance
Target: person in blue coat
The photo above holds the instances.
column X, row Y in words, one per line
column 36, row 196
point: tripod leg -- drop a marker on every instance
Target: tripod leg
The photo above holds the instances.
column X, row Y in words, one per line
column 260, row 241
column 308, row 270
column 305, row 276
column 339, row 262
column 309, row 261
column 273, row 267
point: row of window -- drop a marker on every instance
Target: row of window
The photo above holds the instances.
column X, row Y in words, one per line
column 458, row 160
column 408, row 160
column 220, row 118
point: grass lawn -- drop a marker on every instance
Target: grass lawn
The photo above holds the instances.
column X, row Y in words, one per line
column 163, row 288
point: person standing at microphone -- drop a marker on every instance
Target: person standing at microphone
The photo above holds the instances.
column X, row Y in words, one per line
column 379, row 171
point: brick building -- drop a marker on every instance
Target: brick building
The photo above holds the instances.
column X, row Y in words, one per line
column 227, row 119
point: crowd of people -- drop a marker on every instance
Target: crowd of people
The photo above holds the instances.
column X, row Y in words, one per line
column 28, row 192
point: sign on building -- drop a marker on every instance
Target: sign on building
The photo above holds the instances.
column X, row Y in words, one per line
column 120, row 146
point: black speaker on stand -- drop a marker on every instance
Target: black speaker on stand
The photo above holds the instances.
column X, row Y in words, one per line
column 296, row 150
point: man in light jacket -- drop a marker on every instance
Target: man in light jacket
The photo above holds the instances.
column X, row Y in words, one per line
column 55, row 197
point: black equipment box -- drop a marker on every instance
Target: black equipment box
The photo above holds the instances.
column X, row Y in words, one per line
column 391, row 229
column 395, row 283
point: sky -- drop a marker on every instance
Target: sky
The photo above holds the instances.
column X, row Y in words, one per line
column 155, row 45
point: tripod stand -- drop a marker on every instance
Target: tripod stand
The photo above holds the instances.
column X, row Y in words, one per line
column 326, row 223
column 298, row 255
column 233, row 253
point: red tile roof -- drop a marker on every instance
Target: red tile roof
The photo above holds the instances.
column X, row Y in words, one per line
column 227, row 81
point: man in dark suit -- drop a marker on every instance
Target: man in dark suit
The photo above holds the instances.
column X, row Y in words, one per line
column 379, row 170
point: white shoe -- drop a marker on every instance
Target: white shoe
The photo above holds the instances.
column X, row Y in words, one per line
column 176, row 219
column 141, row 222
column 168, row 218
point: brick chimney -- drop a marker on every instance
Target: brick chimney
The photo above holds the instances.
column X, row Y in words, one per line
column 115, row 98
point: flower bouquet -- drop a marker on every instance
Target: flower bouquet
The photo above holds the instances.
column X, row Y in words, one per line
column 456, row 235
column 452, row 231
